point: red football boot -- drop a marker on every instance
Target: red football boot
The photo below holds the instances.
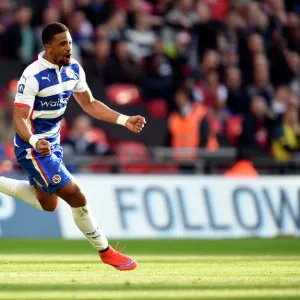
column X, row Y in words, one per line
column 117, row 259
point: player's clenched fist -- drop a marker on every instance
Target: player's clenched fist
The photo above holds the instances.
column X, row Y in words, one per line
column 43, row 147
column 135, row 123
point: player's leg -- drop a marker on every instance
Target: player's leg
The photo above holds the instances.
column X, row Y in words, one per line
column 82, row 215
column 33, row 192
column 47, row 202
column 20, row 189
column 85, row 221
column 32, row 195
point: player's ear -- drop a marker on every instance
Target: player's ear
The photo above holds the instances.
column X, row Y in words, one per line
column 48, row 48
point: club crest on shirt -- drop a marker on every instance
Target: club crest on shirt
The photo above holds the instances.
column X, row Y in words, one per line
column 70, row 73
column 21, row 88
column 56, row 179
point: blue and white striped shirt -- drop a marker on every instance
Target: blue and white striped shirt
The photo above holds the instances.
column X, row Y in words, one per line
column 46, row 90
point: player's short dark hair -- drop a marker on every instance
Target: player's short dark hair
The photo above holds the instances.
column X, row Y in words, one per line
column 51, row 30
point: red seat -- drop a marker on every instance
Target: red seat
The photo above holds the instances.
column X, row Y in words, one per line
column 98, row 135
column 9, row 151
column 157, row 108
column 133, row 157
column 164, row 169
column 64, row 129
column 234, row 128
column 123, row 94
column 100, row 168
column 122, row 4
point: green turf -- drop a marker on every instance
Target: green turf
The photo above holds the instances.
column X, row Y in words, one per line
column 174, row 269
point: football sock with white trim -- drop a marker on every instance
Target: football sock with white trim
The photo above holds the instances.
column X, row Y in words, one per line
column 89, row 227
column 20, row 189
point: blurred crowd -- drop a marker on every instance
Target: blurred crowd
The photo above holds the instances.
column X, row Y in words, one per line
column 224, row 72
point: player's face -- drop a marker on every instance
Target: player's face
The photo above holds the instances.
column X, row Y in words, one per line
column 61, row 48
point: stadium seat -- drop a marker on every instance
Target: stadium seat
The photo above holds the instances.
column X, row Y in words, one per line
column 9, row 151
column 164, row 169
column 122, row 4
column 234, row 128
column 157, row 108
column 64, row 129
column 100, row 167
column 123, row 94
column 98, row 135
column 133, row 157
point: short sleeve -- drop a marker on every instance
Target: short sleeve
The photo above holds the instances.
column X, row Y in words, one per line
column 81, row 85
column 27, row 89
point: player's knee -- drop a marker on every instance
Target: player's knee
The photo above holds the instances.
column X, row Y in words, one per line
column 74, row 196
column 49, row 206
column 78, row 201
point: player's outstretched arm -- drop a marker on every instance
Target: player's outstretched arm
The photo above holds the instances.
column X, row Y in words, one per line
column 100, row 111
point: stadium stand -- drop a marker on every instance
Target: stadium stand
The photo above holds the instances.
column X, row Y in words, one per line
column 240, row 59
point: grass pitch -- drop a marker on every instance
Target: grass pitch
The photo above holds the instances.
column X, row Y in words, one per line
column 174, row 269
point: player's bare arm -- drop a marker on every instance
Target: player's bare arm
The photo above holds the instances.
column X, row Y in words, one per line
column 21, row 115
column 100, row 111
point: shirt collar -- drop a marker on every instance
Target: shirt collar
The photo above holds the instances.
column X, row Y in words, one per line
column 45, row 62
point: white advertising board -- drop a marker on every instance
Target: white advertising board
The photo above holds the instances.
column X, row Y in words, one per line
column 128, row 206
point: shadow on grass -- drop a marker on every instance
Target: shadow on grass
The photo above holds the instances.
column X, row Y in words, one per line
column 277, row 246
column 131, row 286
column 161, row 261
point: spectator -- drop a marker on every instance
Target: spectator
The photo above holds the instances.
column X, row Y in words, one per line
column 49, row 15
column 18, row 41
column 116, row 25
column 238, row 100
column 205, row 30
column 7, row 98
column 123, row 69
column 141, row 38
column 286, row 137
column 293, row 102
column 180, row 63
column 234, row 25
column 211, row 60
column 96, row 12
column 280, row 101
column 6, row 16
column 293, row 60
column 81, row 31
column 159, row 78
column 97, row 66
column 281, row 72
column 292, row 32
column 231, row 58
column 102, row 32
column 188, row 126
column 65, row 7
column 262, row 26
column 257, row 127
column 277, row 13
column 261, row 80
column 81, row 139
column 211, row 92
column 255, row 47
column 218, row 8
column 182, row 16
